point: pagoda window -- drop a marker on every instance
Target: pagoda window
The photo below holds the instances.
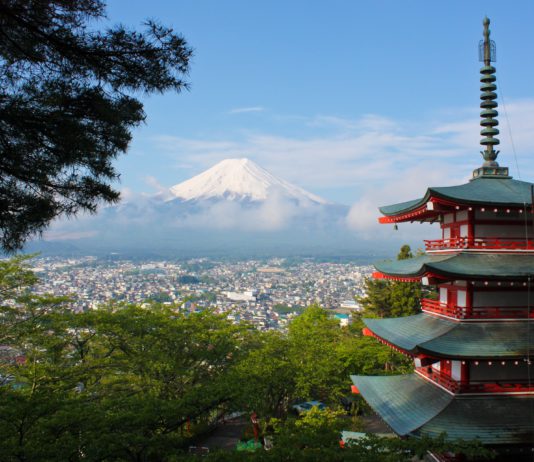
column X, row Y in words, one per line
column 500, row 215
column 501, row 298
column 443, row 291
column 456, row 225
column 448, row 218
column 456, row 370
column 454, row 300
column 452, row 231
column 501, row 230
column 462, row 215
column 498, row 372
column 503, row 224
column 461, row 298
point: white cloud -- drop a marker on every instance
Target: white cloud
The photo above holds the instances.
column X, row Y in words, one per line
column 380, row 160
column 127, row 194
column 410, row 184
column 365, row 152
column 68, row 236
column 274, row 214
column 242, row 110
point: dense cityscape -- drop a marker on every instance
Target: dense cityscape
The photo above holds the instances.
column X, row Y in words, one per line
column 266, row 293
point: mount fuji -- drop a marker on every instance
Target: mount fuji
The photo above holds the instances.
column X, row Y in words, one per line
column 235, row 207
column 240, row 180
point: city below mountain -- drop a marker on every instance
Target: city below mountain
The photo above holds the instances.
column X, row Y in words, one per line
column 234, row 208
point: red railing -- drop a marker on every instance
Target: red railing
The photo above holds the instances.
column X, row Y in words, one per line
column 435, row 306
column 441, row 379
column 478, row 386
column 486, row 243
column 485, row 312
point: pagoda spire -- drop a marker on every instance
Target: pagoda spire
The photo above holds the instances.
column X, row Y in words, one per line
column 489, row 122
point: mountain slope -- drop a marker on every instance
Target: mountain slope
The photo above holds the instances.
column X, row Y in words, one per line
column 240, row 180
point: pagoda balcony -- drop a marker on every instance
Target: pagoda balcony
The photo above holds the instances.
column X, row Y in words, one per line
column 479, row 243
column 479, row 312
column 478, row 386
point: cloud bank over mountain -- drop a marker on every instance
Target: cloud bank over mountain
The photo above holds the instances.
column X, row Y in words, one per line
column 367, row 161
column 235, row 204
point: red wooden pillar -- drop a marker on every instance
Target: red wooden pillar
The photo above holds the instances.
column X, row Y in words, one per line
column 470, row 228
column 468, row 300
column 452, row 299
column 464, row 374
column 445, row 368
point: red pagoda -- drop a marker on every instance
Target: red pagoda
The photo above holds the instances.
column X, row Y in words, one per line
column 471, row 346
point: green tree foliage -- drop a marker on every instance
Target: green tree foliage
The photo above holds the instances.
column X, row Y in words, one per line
column 405, row 253
column 66, row 106
column 119, row 383
column 313, row 429
column 313, row 361
column 385, row 299
column 188, row 279
column 265, row 378
column 314, row 343
column 282, row 308
column 160, row 297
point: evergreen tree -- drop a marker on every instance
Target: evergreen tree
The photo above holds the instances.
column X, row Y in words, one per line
column 66, row 106
column 405, row 252
column 385, row 298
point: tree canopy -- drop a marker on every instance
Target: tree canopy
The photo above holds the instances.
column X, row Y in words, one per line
column 68, row 105
column 384, row 298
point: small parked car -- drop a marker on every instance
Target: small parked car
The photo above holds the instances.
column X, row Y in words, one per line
column 305, row 407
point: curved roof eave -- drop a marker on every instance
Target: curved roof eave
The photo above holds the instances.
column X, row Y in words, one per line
column 480, row 191
column 438, row 337
column 410, row 404
column 460, row 265
column 398, row 400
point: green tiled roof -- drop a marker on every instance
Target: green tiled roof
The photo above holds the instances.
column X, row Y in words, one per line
column 490, row 191
column 402, row 207
column 432, row 335
column 411, row 331
column 493, row 420
column 411, row 405
column 496, row 266
column 405, row 402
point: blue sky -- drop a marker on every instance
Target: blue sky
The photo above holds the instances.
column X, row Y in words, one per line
column 361, row 102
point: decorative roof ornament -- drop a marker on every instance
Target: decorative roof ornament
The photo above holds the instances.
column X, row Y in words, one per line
column 487, row 54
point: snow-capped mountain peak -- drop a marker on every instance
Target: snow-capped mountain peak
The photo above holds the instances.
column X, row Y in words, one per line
column 239, row 179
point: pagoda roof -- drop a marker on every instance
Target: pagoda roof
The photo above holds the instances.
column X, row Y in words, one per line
column 439, row 337
column 479, row 191
column 411, row 405
column 463, row 264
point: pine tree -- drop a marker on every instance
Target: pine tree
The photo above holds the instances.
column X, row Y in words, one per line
column 385, row 299
column 66, row 106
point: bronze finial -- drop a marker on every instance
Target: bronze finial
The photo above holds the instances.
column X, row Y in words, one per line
column 489, row 122
column 487, row 52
